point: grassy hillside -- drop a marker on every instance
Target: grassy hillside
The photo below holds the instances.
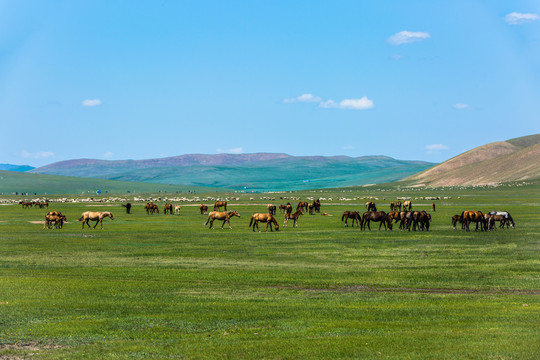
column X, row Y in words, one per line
column 12, row 182
column 503, row 161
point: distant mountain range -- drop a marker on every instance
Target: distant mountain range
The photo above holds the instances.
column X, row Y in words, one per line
column 503, row 161
column 258, row 172
column 20, row 168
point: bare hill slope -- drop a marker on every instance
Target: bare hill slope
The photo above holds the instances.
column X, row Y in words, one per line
column 503, row 161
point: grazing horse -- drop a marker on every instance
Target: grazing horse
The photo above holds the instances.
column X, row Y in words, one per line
column 421, row 220
column 96, row 216
column 220, row 204
column 271, row 209
column 221, row 215
column 469, row 216
column 377, row 216
column 407, row 205
column 455, row 219
column 354, row 215
column 282, row 208
column 54, row 219
column 397, row 206
column 168, row 208
column 151, row 208
column 370, row 206
column 203, row 208
column 392, row 205
column 302, row 205
column 406, row 218
column 128, row 208
column 317, row 205
column 269, row 219
column 177, row 209
column 293, row 216
column 508, row 218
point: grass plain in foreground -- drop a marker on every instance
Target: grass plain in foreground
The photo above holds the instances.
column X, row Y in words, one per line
column 166, row 287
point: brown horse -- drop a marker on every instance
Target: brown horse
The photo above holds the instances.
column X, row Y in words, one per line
column 397, row 206
column 293, row 216
column 407, row 205
column 168, row 208
column 377, row 216
column 288, row 208
column 221, row 215
column 370, row 206
column 354, row 215
column 302, row 205
column 282, row 208
column 54, row 219
column 469, row 216
column 220, row 204
column 269, row 219
column 455, row 219
column 392, row 205
column 203, row 208
column 421, row 220
column 151, row 208
column 271, row 209
column 96, row 216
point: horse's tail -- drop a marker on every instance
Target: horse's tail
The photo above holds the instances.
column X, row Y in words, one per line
column 461, row 217
column 207, row 220
column 343, row 216
column 251, row 222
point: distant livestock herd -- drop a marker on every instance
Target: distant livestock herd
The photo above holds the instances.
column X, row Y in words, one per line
column 401, row 213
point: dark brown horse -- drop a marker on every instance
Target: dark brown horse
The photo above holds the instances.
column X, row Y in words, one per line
column 271, row 209
column 354, row 215
column 392, row 205
column 282, row 208
column 469, row 216
column 220, row 204
column 269, row 219
column 203, row 208
column 421, row 220
column 377, row 216
column 221, row 215
column 293, row 216
column 397, row 206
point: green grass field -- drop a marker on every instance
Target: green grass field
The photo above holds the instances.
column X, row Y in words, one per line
column 166, row 287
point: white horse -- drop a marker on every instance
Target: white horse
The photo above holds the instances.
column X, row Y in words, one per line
column 506, row 215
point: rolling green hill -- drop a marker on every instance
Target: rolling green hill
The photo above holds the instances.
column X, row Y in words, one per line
column 251, row 172
column 12, row 182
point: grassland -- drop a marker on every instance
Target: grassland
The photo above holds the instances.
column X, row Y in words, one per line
column 166, row 287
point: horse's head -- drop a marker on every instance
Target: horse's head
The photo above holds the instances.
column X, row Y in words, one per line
column 109, row 214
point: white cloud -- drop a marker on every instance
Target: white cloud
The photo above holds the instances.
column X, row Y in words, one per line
column 91, row 102
column 406, row 37
column 36, row 155
column 355, row 104
column 347, row 147
column 237, row 150
column 515, row 18
column 436, row 147
column 306, row 98
column 461, row 106
column 108, row 155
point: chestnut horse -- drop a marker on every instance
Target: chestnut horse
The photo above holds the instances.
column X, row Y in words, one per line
column 221, row 215
column 168, row 208
column 302, row 205
column 220, row 204
column 455, row 219
column 293, row 216
column 203, row 208
column 96, row 216
column 269, row 219
column 271, row 209
column 397, row 206
column 469, row 216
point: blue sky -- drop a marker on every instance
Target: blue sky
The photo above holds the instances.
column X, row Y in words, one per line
column 415, row 80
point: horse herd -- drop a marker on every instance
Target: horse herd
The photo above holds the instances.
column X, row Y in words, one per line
column 407, row 218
